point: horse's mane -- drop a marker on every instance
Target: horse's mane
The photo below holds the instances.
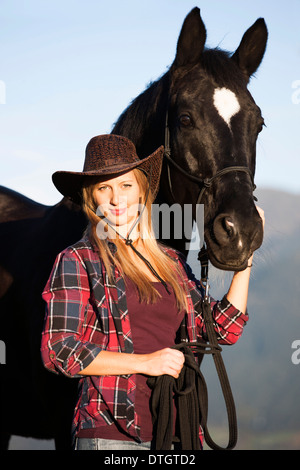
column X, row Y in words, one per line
column 143, row 112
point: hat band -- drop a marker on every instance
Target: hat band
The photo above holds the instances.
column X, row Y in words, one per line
column 109, row 166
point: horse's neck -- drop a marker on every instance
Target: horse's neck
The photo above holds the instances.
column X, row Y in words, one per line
column 143, row 121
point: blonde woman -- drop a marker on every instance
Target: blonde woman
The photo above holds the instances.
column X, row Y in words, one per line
column 117, row 301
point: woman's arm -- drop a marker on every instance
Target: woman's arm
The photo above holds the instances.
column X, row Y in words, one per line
column 66, row 294
column 165, row 361
column 238, row 291
column 63, row 348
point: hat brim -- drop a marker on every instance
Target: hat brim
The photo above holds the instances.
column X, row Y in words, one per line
column 70, row 183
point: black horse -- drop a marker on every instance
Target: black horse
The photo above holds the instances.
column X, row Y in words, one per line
column 33, row 403
column 213, row 123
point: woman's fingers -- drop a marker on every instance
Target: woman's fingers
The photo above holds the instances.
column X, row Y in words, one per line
column 262, row 214
column 165, row 361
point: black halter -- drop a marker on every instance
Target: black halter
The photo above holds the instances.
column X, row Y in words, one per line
column 204, row 183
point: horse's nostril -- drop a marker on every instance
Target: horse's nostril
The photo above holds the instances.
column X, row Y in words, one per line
column 224, row 229
column 228, row 226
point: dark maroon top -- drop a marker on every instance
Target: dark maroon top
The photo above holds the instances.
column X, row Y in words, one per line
column 153, row 327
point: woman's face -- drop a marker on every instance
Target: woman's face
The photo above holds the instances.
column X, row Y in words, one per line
column 118, row 199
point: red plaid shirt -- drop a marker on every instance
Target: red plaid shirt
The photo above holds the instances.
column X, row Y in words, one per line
column 86, row 314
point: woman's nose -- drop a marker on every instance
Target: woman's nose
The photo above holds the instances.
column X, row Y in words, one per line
column 114, row 199
column 117, row 198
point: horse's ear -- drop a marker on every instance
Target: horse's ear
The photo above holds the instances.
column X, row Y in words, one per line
column 251, row 50
column 191, row 40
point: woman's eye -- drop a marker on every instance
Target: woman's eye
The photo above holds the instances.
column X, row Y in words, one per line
column 185, row 120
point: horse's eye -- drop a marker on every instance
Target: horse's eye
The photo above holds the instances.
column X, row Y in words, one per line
column 185, row 120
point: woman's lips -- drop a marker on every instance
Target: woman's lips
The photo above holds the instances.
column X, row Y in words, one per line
column 117, row 212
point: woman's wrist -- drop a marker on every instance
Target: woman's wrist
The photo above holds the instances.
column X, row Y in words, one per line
column 250, row 262
column 238, row 290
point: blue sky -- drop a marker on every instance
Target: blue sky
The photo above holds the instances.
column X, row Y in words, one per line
column 69, row 68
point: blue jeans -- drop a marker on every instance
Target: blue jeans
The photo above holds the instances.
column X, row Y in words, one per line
column 109, row 444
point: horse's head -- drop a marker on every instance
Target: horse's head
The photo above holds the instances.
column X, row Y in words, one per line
column 214, row 123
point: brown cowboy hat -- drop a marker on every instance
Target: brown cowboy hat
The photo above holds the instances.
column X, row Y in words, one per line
column 108, row 155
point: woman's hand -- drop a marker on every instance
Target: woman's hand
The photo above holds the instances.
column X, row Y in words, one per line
column 238, row 290
column 165, row 361
column 262, row 215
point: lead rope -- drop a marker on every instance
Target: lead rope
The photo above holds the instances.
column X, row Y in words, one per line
column 190, row 390
column 218, row 360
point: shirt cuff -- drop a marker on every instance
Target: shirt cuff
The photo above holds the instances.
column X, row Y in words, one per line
column 58, row 359
column 231, row 311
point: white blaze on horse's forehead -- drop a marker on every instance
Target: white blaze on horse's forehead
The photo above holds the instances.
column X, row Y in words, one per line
column 226, row 103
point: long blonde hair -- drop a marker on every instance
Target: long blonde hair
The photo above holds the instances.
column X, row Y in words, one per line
column 166, row 267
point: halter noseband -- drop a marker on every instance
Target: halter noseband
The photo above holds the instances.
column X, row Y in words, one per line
column 205, row 182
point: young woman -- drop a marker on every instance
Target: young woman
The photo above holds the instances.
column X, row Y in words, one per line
column 117, row 300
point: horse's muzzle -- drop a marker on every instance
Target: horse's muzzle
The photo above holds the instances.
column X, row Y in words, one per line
column 230, row 242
